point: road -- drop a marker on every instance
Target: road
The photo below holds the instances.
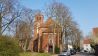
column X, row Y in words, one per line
column 82, row 54
column 79, row 54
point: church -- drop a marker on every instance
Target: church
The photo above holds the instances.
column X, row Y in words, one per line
column 47, row 34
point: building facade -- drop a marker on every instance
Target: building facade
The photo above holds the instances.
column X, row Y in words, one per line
column 95, row 32
column 46, row 34
column 86, row 45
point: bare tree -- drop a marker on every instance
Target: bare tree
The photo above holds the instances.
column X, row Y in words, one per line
column 62, row 16
column 8, row 13
column 60, row 12
column 24, row 28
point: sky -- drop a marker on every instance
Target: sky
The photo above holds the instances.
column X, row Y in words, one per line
column 84, row 12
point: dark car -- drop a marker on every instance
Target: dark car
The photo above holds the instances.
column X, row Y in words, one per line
column 72, row 51
column 65, row 53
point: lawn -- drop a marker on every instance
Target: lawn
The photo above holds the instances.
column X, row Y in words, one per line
column 34, row 54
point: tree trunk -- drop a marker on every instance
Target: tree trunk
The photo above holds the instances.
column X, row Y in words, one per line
column 53, row 50
column 61, row 42
column 54, row 39
column 38, row 43
column 0, row 25
column 58, row 40
column 25, row 45
column 53, row 44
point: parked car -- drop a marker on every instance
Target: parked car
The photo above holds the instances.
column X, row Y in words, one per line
column 92, row 51
column 72, row 51
column 65, row 53
column 82, row 51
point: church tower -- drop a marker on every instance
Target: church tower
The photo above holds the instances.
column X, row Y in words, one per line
column 37, row 23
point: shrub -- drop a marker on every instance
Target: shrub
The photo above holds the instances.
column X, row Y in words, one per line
column 57, row 50
column 8, row 46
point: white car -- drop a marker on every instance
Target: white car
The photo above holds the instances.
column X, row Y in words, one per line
column 92, row 51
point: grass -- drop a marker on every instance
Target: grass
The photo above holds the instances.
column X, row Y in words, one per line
column 26, row 54
column 34, row 54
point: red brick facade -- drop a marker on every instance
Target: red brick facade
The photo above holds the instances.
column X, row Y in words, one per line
column 47, row 32
column 95, row 31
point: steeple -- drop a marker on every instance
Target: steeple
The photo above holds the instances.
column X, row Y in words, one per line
column 39, row 18
column 37, row 23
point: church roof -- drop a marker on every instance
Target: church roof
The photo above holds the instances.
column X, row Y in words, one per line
column 86, row 41
column 50, row 24
column 47, row 23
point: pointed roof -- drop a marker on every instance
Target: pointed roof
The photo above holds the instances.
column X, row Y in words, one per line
column 49, row 22
column 86, row 41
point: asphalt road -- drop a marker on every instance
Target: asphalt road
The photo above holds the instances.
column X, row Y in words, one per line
column 79, row 54
column 83, row 54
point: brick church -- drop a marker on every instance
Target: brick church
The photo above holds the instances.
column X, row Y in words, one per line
column 46, row 34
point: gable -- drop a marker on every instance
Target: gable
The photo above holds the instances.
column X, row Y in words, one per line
column 86, row 41
column 49, row 22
